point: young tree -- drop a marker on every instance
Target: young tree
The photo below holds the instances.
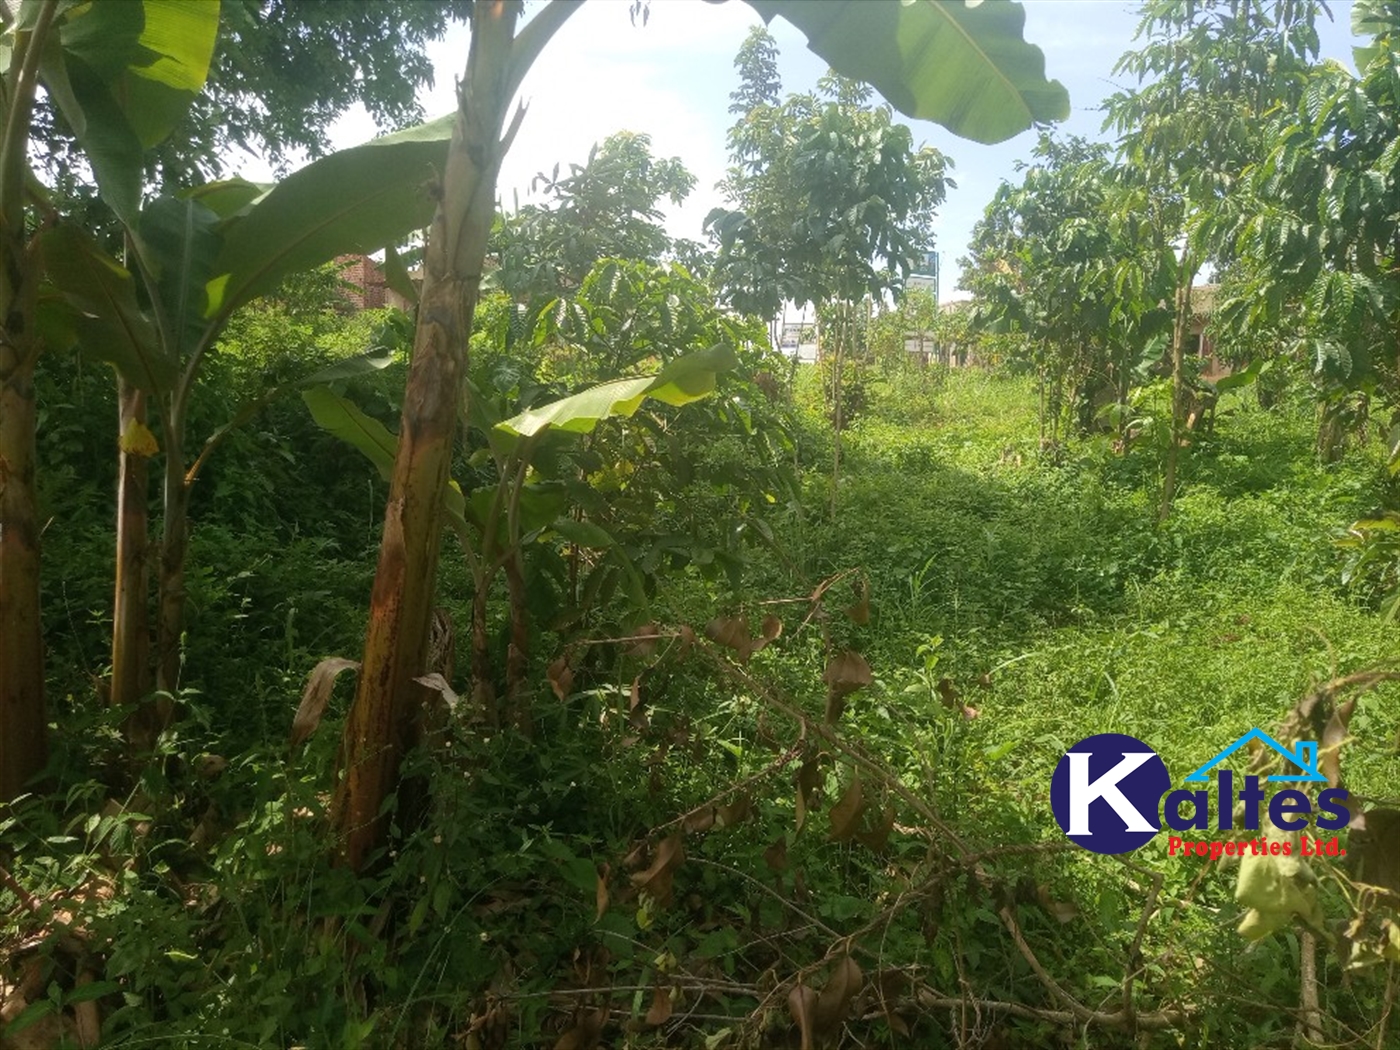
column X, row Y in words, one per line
column 832, row 203
column 1054, row 258
column 1210, row 75
column 1318, row 227
column 606, row 208
column 997, row 88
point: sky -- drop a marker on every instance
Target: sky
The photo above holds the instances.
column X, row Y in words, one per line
column 671, row 79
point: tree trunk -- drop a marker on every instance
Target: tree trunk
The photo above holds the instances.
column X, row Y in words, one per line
column 174, row 545
column 22, row 719
column 130, row 626
column 1180, row 323
column 23, row 744
column 483, row 692
column 384, row 720
column 844, row 331
column 518, row 653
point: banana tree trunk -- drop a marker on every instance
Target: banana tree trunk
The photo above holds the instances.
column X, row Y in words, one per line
column 483, row 692
column 384, row 720
column 22, row 719
column 518, row 653
column 174, row 547
column 23, row 743
column 130, row 626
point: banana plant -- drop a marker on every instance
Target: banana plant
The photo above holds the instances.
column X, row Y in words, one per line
column 197, row 257
column 495, row 523
column 965, row 66
column 121, row 75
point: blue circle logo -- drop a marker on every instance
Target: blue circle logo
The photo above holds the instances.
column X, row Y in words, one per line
column 1106, row 791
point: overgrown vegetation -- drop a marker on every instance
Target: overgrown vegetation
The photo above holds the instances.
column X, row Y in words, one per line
column 683, row 820
column 669, row 748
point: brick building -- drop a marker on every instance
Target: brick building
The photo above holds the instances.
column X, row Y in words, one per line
column 368, row 289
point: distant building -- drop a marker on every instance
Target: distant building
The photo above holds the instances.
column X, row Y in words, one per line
column 368, row 289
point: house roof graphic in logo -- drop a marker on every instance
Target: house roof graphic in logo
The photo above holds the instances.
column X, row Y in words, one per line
column 1304, row 757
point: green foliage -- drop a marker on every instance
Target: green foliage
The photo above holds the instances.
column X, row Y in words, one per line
column 1316, row 238
column 124, row 76
column 913, row 53
column 1052, row 580
column 831, row 199
column 1059, row 259
column 279, row 76
column 608, row 207
column 773, row 758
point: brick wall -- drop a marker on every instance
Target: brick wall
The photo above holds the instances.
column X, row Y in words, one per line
column 368, row 291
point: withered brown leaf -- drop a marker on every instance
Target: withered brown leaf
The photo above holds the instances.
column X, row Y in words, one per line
column 860, row 611
column 878, row 836
column 846, row 814
column 657, row 879
column 561, row 677
column 1331, row 743
column 320, row 683
column 834, row 1002
column 661, row 1007
column 802, row 1005
column 775, row 856
column 845, row 673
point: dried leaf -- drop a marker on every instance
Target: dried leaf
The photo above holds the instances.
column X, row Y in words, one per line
column 1331, row 743
column 319, row 685
column 735, row 812
column 636, row 709
column 948, row 693
column 87, row 1020
column 602, row 895
column 1062, row 911
column 834, row 1003
column 687, row 634
column 769, row 631
column 586, row 1032
column 876, row 838
column 860, row 611
column 732, row 632
column 657, row 879
column 698, row 820
column 892, row 986
column 845, row 673
column 846, row 814
column 1374, row 849
column 561, row 677
column 661, row 1007
column 802, row 1005
column 775, row 856
column 208, row 766
column 438, row 684
column 489, row 1030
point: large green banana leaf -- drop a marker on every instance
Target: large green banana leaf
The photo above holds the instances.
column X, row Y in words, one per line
column 964, row 65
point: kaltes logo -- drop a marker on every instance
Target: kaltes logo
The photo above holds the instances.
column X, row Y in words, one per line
column 1111, row 793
